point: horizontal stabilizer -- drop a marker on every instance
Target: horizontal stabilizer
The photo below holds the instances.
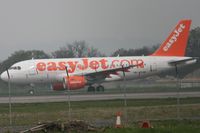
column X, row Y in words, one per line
column 191, row 60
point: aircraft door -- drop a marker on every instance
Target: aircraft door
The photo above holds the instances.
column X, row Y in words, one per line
column 153, row 67
column 34, row 75
column 32, row 69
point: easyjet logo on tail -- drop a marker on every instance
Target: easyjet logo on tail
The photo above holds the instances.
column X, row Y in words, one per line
column 176, row 42
column 174, row 37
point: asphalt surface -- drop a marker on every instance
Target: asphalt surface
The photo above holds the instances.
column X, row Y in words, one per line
column 93, row 97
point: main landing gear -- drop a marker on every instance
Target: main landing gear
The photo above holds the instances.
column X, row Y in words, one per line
column 99, row 88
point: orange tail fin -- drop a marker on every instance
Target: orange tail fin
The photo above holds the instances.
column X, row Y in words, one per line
column 176, row 42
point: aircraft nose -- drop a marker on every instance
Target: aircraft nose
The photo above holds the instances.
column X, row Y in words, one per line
column 4, row 76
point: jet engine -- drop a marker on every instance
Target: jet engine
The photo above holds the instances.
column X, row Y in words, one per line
column 74, row 82
column 58, row 87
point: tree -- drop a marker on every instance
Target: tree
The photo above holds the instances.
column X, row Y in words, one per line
column 94, row 52
column 120, row 52
column 22, row 55
column 193, row 46
column 76, row 50
column 134, row 52
column 63, row 52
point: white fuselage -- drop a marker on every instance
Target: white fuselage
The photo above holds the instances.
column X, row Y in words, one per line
column 168, row 56
column 53, row 70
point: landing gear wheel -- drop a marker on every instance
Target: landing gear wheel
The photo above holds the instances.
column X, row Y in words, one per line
column 100, row 88
column 91, row 89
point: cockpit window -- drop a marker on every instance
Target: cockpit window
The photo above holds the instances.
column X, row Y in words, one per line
column 19, row 68
column 15, row 68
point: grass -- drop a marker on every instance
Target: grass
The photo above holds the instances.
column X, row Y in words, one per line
column 140, row 109
column 180, row 129
column 57, row 106
column 167, row 126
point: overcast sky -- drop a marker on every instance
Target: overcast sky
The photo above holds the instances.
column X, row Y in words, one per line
column 104, row 24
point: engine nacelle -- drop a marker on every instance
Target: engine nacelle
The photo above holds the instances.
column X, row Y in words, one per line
column 58, row 87
column 74, row 82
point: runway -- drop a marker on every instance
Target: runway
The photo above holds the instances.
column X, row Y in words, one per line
column 93, row 97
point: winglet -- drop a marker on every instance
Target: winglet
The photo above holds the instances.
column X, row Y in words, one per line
column 175, row 44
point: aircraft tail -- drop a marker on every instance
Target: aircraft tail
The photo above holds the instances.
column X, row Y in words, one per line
column 176, row 42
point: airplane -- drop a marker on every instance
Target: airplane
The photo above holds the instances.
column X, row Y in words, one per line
column 76, row 73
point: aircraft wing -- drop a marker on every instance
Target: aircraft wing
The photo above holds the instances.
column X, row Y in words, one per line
column 110, row 71
column 101, row 75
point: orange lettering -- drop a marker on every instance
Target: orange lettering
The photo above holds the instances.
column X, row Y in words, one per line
column 72, row 66
column 84, row 66
column 133, row 62
column 51, row 66
column 103, row 63
column 41, row 66
column 124, row 62
column 94, row 65
column 62, row 66
column 140, row 63
column 114, row 62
